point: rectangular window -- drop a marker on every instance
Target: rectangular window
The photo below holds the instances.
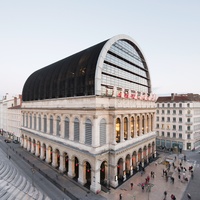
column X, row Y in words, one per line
column 157, row 119
column 180, row 112
column 174, row 112
column 157, row 125
column 163, row 112
column 168, row 112
column 168, row 119
column 174, row 119
column 174, row 127
column 180, row 128
column 174, row 135
column 180, row 120
column 163, row 133
column 188, row 136
column 163, row 119
column 180, row 135
column 168, row 134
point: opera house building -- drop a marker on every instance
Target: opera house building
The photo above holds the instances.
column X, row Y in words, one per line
column 92, row 115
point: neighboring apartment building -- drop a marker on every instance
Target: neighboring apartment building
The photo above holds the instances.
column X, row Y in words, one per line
column 91, row 115
column 10, row 116
column 178, row 121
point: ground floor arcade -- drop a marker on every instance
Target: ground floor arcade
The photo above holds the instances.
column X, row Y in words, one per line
column 110, row 168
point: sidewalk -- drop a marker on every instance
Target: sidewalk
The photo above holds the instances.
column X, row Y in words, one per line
column 159, row 185
column 70, row 187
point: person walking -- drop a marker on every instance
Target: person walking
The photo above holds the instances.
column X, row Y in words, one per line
column 131, row 186
column 165, row 195
column 120, row 196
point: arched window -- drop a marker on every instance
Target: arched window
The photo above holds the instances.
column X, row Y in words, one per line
column 76, row 130
column 45, row 123
column 39, row 121
column 88, row 132
column 125, row 128
column 35, row 123
column 51, row 124
column 138, row 125
column 102, row 132
column 26, row 120
column 132, row 127
column 142, row 124
column 58, row 126
column 66, row 128
column 118, row 129
column 30, row 121
column 23, row 120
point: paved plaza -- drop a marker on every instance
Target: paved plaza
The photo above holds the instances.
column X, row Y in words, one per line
column 158, row 183
column 156, row 192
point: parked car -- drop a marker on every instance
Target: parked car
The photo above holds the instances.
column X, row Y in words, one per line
column 7, row 140
column 16, row 141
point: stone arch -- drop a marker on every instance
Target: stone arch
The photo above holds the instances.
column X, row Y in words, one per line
column 120, row 172
column 104, row 173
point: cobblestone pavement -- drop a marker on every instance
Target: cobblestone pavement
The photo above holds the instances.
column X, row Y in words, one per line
column 158, row 183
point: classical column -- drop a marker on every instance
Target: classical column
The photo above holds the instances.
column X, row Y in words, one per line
column 62, row 127
column 95, row 180
column 42, row 152
column 32, row 147
column 37, row 149
column 55, row 159
column 142, row 158
column 140, row 127
column 71, row 128
column 129, row 127
column 113, row 176
column 48, row 155
column 28, row 145
column 145, row 124
column 82, row 174
column 124, row 170
column 48, row 124
column 95, row 132
column 131, row 165
column 114, row 131
column 62, row 163
column 71, row 170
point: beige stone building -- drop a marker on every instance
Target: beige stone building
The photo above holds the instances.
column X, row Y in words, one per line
column 91, row 115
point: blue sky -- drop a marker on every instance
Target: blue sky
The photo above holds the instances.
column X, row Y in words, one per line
column 37, row 33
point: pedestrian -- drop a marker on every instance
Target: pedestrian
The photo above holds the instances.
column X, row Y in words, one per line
column 179, row 176
column 163, row 172
column 142, row 187
column 120, row 196
column 131, row 186
column 153, row 175
column 165, row 195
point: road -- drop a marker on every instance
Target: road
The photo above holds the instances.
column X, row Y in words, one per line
column 193, row 187
column 36, row 178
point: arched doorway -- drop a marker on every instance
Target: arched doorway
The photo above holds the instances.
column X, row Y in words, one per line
column 76, row 168
column 140, row 158
column 50, row 151
column 44, row 151
column 34, row 147
column 145, row 155
column 57, row 158
column 87, row 174
column 120, row 173
column 66, row 162
column 38, row 146
column 127, row 165
column 103, row 173
column 134, row 161
column 118, row 130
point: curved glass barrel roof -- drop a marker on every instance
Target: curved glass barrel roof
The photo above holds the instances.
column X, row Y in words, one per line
column 115, row 63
